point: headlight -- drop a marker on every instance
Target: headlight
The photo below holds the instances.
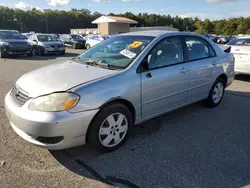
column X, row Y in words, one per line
column 44, row 45
column 54, row 102
column 4, row 43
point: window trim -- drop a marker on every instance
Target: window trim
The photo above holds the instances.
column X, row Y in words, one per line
column 205, row 41
column 140, row 67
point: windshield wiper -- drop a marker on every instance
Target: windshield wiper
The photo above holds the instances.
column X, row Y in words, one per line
column 96, row 63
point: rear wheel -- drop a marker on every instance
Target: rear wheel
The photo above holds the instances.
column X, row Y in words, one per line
column 110, row 128
column 62, row 53
column 216, row 93
column 88, row 46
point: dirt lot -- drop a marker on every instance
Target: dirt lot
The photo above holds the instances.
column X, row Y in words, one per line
column 191, row 147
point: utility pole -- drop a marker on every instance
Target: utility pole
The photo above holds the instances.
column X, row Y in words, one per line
column 21, row 24
column 46, row 20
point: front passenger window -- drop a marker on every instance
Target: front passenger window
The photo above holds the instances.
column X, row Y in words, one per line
column 167, row 52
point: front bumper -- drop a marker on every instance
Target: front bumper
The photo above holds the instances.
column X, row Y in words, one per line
column 31, row 125
column 15, row 50
column 80, row 45
column 50, row 50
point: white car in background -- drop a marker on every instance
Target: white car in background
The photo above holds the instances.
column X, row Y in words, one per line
column 93, row 40
column 240, row 48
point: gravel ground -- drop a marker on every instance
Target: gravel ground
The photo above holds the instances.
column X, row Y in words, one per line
column 190, row 147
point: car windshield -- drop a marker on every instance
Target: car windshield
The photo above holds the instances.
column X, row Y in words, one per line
column 240, row 42
column 47, row 38
column 76, row 37
column 117, row 51
column 11, row 35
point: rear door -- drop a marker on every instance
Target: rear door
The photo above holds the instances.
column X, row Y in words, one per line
column 200, row 61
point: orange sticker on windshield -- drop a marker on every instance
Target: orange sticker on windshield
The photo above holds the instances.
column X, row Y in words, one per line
column 135, row 44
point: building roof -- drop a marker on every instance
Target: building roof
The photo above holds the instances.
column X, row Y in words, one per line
column 114, row 19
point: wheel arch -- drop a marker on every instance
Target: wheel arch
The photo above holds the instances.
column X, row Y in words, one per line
column 117, row 100
column 224, row 78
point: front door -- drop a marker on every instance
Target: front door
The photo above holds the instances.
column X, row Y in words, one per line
column 165, row 80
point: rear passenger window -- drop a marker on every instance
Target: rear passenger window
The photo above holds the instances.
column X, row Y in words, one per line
column 198, row 49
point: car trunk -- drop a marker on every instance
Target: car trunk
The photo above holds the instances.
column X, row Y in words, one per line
column 242, row 57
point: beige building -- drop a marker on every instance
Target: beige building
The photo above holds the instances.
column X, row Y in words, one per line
column 109, row 25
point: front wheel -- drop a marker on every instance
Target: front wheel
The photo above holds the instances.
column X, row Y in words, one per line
column 216, row 93
column 110, row 128
column 3, row 55
column 30, row 54
column 41, row 51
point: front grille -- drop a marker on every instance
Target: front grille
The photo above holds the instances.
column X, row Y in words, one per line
column 19, row 47
column 55, row 46
column 50, row 140
column 19, row 96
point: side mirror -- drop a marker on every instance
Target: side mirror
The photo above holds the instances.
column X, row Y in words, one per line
column 143, row 66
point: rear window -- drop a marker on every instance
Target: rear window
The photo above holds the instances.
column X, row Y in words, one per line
column 77, row 37
column 240, row 42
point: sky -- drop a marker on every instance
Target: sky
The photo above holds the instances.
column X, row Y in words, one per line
column 211, row 9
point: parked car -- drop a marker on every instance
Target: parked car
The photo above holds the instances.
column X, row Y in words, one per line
column 13, row 43
column 223, row 40
column 73, row 41
column 46, row 44
column 93, row 40
column 100, row 95
column 240, row 48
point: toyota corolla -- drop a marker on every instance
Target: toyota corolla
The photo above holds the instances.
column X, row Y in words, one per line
column 97, row 97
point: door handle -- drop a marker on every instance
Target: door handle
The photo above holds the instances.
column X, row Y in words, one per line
column 214, row 63
column 183, row 70
column 149, row 75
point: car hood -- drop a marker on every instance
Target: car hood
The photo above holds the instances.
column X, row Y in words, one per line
column 15, row 41
column 51, row 43
column 80, row 40
column 60, row 77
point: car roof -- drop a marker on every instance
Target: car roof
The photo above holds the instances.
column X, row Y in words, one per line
column 244, row 37
column 43, row 34
column 9, row 30
column 158, row 33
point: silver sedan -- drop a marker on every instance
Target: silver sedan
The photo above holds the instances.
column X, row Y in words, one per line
column 97, row 97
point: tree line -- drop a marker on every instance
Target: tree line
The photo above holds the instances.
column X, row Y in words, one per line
column 60, row 21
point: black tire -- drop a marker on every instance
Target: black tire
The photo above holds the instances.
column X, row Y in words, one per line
column 62, row 53
column 93, row 131
column 41, row 51
column 4, row 55
column 210, row 102
column 88, row 46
